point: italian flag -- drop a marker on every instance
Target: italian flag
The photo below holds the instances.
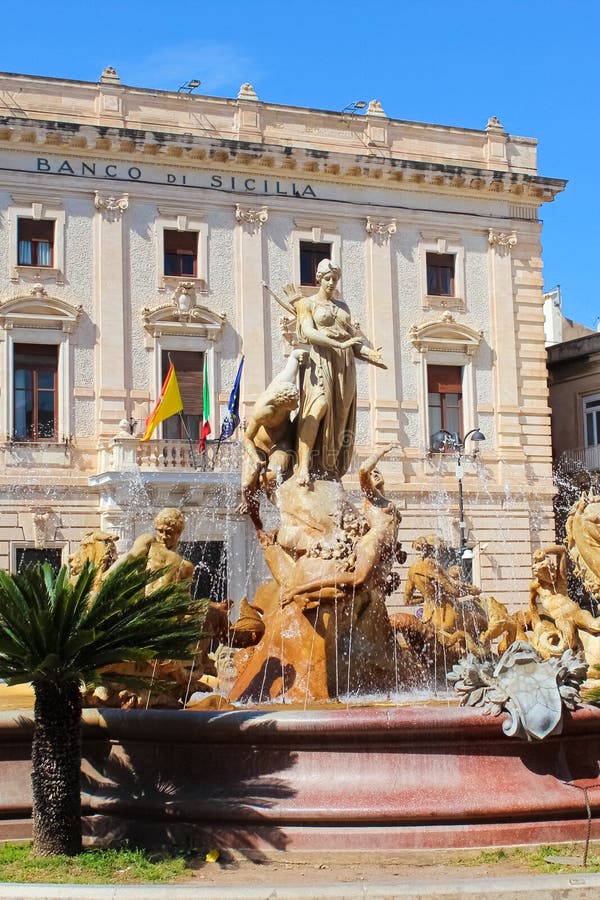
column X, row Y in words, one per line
column 204, row 433
column 168, row 403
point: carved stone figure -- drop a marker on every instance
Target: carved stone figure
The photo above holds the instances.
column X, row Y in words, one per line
column 160, row 548
column 427, row 577
column 269, row 439
column 456, row 623
column 509, row 627
column 531, row 690
column 98, row 547
column 327, row 415
column 327, row 631
column 170, row 679
column 548, row 596
column 583, row 540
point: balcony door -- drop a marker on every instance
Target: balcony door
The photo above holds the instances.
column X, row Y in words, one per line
column 189, row 367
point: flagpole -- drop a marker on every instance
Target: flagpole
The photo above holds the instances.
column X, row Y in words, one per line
column 231, row 406
column 189, row 437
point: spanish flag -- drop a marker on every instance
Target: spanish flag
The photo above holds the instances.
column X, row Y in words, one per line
column 168, row 403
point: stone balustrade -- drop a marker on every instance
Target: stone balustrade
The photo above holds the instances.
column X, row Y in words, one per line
column 127, row 453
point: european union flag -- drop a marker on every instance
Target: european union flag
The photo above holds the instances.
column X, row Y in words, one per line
column 231, row 420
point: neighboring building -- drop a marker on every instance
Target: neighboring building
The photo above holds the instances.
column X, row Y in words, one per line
column 574, row 381
column 559, row 328
column 138, row 223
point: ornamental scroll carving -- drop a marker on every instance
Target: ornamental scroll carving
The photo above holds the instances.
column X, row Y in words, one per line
column 381, row 231
column 502, row 241
column 251, row 218
column 110, row 206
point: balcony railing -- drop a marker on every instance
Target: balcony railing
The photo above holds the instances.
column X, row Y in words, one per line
column 129, row 453
column 226, row 457
column 587, row 458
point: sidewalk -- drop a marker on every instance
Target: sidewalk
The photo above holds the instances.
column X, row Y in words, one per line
column 536, row 887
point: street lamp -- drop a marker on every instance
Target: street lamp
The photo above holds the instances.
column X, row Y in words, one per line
column 355, row 107
column 442, row 441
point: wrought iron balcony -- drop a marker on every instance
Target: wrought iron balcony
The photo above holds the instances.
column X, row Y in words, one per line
column 583, row 458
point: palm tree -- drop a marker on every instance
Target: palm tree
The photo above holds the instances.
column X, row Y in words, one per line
column 58, row 635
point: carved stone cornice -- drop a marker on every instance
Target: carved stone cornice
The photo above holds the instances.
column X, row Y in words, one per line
column 183, row 316
column 38, row 310
column 251, row 218
column 381, row 231
column 502, row 241
column 200, row 152
column 446, row 334
column 110, row 206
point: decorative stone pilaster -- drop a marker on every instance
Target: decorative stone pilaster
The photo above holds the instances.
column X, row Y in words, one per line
column 43, row 527
column 502, row 241
column 112, row 207
column 504, row 341
column 251, row 301
column 110, row 304
column 381, row 231
column 250, row 218
column 383, row 326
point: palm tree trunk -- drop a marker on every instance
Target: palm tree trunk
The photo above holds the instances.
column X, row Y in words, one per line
column 56, row 764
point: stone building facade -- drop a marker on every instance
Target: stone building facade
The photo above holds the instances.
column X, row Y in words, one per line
column 136, row 223
column 574, row 382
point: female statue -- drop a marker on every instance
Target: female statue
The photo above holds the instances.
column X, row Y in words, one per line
column 327, row 415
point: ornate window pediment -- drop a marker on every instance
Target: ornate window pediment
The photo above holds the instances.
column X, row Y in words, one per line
column 38, row 310
column 183, row 316
column 445, row 334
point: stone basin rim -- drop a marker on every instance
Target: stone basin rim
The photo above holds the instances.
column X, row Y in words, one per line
column 369, row 724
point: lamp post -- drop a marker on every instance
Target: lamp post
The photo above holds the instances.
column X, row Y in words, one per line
column 444, row 440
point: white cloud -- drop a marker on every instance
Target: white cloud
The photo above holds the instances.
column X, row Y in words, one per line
column 219, row 66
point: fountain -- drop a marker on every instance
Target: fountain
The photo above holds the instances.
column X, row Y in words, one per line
column 310, row 739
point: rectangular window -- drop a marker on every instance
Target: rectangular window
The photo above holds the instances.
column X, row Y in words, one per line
column 181, row 252
column 591, row 414
column 210, row 568
column 189, row 368
column 35, row 241
column 440, row 274
column 444, row 386
column 311, row 255
column 26, row 557
column 35, row 392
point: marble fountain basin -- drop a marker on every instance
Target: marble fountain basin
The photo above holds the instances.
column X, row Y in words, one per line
column 327, row 779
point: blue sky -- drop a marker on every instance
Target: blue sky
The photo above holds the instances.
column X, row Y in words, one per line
column 533, row 63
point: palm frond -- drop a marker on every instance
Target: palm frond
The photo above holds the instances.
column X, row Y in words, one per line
column 52, row 630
